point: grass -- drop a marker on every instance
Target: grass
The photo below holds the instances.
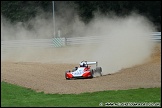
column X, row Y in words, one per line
column 17, row 96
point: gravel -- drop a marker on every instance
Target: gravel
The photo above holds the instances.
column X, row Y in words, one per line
column 50, row 77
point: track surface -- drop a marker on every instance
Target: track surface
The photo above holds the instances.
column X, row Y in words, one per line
column 49, row 77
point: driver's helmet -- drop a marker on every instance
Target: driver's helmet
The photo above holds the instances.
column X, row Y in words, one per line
column 82, row 64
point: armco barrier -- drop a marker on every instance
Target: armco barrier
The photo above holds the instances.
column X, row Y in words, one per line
column 27, row 43
column 155, row 36
column 60, row 42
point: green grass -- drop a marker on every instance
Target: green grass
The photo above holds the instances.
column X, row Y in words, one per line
column 13, row 95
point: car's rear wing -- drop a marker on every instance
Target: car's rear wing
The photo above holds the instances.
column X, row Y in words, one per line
column 90, row 63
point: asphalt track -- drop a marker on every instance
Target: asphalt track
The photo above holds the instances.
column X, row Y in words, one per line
column 50, row 77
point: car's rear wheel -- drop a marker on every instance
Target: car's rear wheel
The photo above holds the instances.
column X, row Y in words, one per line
column 99, row 70
column 92, row 73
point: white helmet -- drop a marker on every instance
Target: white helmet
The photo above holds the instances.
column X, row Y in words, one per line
column 82, row 64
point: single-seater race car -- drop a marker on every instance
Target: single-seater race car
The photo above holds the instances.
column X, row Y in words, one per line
column 83, row 71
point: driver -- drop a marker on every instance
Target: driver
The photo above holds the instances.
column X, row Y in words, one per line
column 82, row 65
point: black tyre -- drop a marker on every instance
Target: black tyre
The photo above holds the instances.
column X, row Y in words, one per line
column 92, row 73
column 99, row 70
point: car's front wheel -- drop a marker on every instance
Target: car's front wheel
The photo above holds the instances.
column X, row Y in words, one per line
column 66, row 76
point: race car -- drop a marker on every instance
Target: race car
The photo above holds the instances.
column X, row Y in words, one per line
column 83, row 71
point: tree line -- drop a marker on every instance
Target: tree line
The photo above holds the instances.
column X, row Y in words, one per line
column 23, row 11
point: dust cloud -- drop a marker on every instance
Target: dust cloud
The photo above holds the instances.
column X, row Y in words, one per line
column 125, row 41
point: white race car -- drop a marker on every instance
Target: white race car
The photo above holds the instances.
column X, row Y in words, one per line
column 84, row 71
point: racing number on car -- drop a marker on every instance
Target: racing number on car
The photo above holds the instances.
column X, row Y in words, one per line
column 78, row 72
